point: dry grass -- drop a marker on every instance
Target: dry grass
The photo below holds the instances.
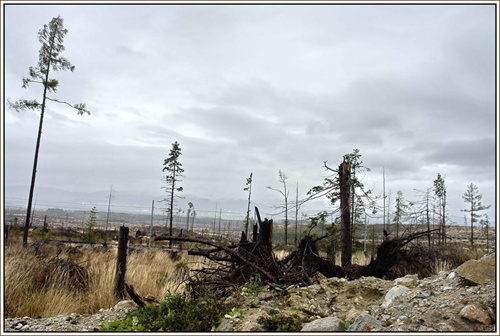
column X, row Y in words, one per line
column 40, row 281
column 32, row 288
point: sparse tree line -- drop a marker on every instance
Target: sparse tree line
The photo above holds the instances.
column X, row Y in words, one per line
column 428, row 210
column 361, row 203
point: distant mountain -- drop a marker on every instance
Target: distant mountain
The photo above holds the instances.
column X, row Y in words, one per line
column 47, row 197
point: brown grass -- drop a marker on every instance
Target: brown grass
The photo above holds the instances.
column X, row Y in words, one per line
column 30, row 292
column 38, row 280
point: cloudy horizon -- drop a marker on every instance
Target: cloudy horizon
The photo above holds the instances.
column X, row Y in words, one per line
column 256, row 89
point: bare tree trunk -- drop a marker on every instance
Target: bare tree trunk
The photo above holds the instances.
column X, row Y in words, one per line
column 121, row 263
column 345, row 208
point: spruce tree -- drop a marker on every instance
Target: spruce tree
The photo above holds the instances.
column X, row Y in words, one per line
column 473, row 197
column 174, row 170
column 51, row 37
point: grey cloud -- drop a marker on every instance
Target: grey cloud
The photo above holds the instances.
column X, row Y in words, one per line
column 256, row 89
column 475, row 156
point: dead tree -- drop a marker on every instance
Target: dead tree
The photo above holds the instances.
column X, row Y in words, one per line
column 121, row 263
column 345, row 208
column 236, row 264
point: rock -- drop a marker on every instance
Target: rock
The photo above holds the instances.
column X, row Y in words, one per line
column 475, row 313
column 442, row 274
column 452, row 275
column 314, row 289
column 406, row 281
column 125, row 304
column 251, row 326
column 478, row 272
column 353, row 314
column 364, row 322
column 325, row 324
column 227, row 324
column 393, row 293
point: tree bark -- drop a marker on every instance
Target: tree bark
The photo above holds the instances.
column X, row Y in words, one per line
column 345, row 208
column 121, row 263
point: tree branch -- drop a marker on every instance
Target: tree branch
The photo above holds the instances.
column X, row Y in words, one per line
column 221, row 247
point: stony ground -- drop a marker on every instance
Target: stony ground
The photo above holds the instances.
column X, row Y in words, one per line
column 463, row 299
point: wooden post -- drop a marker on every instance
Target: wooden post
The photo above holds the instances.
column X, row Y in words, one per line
column 345, row 208
column 121, row 263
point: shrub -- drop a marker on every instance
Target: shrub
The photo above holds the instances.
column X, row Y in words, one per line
column 178, row 312
column 281, row 322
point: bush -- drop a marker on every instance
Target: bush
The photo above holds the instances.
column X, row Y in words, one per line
column 281, row 322
column 179, row 312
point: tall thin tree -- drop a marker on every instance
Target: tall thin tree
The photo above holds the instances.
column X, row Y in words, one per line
column 174, row 170
column 401, row 208
column 473, row 197
column 189, row 211
column 249, row 189
column 282, row 178
column 51, row 37
column 109, row 206
column 440, row 192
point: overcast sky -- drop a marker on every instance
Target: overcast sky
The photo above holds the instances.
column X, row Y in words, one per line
column 258, row 88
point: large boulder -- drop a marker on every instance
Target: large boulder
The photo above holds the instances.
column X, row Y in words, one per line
column 393, row 293
column 475, row 312
column 410, row 280
column 478, row 272
column 126, row 305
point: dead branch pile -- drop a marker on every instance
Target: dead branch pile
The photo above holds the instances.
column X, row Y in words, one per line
column 237, row 264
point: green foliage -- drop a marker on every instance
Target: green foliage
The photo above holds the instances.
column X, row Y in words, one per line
column 51, row 38
column 347, row 324
column 92, row 221
column 235, row 313
column 178, row 312
column 281, row 322
column 91, row 237
column 331, row 184
column 255, row 304
column 255, row 284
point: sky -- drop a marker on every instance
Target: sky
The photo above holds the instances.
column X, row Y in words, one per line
column 256, row 89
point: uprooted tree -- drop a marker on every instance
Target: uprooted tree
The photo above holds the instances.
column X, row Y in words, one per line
column 234, row 265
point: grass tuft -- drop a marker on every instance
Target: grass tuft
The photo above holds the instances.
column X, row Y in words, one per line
column 48, row 279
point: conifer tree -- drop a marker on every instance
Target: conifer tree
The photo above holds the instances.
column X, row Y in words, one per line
column 174, row 170
column 440, row 192
column 51, row 37
column 473, row 197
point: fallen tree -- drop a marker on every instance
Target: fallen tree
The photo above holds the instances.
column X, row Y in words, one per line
column 237, row 264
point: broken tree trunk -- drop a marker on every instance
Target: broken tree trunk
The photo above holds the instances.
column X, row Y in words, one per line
column 236, row 264
column 345, row 207
column 121, row 263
